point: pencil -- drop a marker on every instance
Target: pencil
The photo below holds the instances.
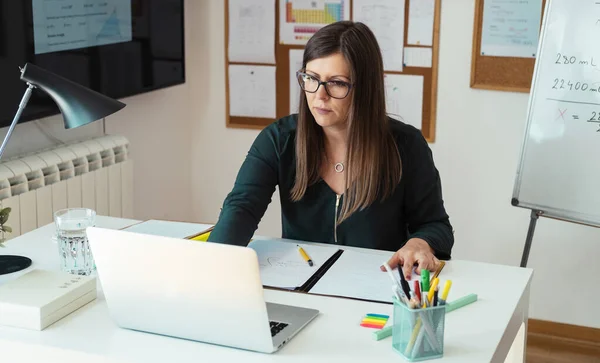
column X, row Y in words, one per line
column 439, row 269
column 305, row 255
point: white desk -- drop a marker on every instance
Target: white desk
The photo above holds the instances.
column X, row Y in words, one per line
column 480, row 332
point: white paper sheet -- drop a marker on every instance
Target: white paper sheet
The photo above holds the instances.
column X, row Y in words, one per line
column 300, row 19
column 282, row 266
column 386, row 19
column 420, row 22
column 404, row 98
column 511, row 28
column 295, row 65
column 252, row 31
column 418, row 57
column 358, row 275
column 252, row 91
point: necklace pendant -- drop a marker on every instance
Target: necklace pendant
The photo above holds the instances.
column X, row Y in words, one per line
column 339, row 167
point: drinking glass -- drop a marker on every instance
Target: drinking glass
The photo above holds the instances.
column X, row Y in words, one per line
column 73, row 246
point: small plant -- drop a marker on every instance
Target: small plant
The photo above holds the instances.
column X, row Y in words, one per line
column 4, row 214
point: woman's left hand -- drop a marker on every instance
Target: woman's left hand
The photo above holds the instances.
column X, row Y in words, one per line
column 416, row 250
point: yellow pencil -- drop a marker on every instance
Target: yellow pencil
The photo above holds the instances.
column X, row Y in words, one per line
column 304, row 255
column 434, row 284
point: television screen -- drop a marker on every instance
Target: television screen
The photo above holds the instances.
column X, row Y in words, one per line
column 119, row 48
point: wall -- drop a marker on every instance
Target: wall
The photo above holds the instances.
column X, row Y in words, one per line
column 479, row 135
column 157, row 126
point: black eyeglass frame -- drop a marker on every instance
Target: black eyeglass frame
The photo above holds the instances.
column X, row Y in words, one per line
column 324, row 83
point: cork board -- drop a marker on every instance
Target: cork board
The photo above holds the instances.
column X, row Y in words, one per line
column 282, row 77
column 512, row 74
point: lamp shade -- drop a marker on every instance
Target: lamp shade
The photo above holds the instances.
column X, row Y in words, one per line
column 79, row 105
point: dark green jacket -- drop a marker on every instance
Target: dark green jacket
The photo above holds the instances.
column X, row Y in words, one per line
column 416, row 208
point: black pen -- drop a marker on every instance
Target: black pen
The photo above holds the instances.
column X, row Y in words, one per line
column 403, row 282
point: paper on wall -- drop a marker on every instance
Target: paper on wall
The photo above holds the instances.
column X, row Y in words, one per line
column 404, row 98
column 252, row 31
column 252, row 91
column 511, row 28
column 420, row 22
column 386, row 19
column 300, row 19
column 418, row 57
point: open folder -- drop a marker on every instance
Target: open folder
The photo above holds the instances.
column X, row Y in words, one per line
column 335, row 271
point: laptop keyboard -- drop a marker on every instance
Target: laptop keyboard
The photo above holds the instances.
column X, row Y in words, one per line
column 276, row 327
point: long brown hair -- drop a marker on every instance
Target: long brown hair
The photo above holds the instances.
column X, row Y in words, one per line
column 373, row 166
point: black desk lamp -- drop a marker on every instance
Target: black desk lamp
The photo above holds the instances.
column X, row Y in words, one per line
column 79, row 106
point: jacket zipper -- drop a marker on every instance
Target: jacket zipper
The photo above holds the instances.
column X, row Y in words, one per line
column 337, row 203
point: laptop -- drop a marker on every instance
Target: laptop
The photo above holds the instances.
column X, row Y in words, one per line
column 201, row 291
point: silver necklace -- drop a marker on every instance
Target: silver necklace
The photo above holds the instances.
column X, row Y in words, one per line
column 338, row 167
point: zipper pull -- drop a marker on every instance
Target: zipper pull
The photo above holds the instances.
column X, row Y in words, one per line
column 337, row 203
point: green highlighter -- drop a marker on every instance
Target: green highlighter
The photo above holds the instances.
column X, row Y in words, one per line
column 450, row 306
column 459, row 303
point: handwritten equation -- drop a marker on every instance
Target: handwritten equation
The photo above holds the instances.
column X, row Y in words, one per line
column 562, row 114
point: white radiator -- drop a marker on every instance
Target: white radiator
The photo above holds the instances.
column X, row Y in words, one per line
column 96, row 174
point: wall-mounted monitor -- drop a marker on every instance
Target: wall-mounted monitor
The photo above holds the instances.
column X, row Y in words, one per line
column 119, row 48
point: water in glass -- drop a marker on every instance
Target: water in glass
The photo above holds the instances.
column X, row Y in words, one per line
column 73, row 246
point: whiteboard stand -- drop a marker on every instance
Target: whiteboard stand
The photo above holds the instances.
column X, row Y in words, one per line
column 535, row 214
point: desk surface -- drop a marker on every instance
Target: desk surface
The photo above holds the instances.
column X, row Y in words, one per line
column 481, row 332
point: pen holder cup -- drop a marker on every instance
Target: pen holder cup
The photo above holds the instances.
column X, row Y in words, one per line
column 418, row 334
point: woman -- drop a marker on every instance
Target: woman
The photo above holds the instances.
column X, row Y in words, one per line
column 347, row 174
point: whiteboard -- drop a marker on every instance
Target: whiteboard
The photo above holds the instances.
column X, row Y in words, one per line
column 559, row 166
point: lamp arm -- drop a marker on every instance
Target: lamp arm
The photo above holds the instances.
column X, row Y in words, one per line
column 22, row 105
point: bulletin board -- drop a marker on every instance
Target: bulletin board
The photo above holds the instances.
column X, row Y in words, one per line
column 512, row 74
column 282, row 75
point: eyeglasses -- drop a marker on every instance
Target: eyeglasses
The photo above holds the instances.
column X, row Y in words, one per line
column 335, row 89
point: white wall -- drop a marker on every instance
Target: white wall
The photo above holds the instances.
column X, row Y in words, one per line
column 479, row 135
column 157, row 126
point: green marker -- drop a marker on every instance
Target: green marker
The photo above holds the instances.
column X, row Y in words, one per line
column 425, row 280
